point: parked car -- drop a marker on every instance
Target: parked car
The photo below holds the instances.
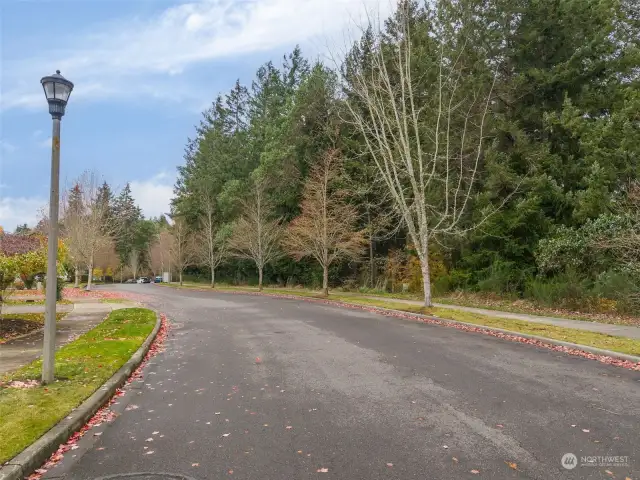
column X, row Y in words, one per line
column 158, row 279
column 144, row 280
column 129, row 280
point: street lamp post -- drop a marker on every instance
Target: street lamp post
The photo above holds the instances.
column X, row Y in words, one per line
column 57, row 90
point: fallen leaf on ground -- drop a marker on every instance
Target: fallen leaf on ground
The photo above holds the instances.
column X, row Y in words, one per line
column 149, row 452
column 149, row 439
column 195, row 464
column 322, row 470
column 454, row 459
column 585, row 430
column 389, row 464
column 500, row 426
column 288, row 427
column 475, row 472
column 217, row 413
column 230, row 472
column 512, row 465
column 299, row 451
column 608, row 472
column 226, row 434
column 155, row 433
column 445, row 446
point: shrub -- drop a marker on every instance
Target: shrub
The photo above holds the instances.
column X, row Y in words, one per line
column 19, row 285
column 567, row 290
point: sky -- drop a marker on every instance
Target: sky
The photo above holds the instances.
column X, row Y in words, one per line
column 143, row 71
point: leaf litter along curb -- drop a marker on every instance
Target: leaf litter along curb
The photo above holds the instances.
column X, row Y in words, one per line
column 606, row 359
column 105, row 414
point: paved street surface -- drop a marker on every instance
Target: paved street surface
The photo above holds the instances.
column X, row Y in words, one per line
column 346, row 394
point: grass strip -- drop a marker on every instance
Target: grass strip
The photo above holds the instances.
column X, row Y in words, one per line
column 82, row 367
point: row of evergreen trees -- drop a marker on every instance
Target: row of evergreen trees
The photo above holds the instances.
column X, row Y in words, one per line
column 560, row 150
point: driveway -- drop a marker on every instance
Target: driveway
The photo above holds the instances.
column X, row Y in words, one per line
column 254, row 387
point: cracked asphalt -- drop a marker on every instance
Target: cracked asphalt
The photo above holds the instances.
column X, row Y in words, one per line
column 254, row 387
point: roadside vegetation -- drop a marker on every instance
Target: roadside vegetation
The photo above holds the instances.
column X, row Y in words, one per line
column 28, row 409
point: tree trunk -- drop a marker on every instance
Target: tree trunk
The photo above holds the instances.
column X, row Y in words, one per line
column 90, row 276
column 426, row 279
column 180, row 277
column 76, row 283
column 325, row 281
column 213, row 278
column 372, row 267
column 259, row 279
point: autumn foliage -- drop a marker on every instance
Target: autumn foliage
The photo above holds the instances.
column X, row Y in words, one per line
column 326, row 228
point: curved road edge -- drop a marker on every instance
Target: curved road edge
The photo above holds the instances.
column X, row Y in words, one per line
column 27, row 461
column 598, row 354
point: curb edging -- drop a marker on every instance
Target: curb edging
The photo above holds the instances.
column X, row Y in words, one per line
column 586, row 348
column 38, row 452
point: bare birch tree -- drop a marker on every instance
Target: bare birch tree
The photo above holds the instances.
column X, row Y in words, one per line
column 86, row 228
column 257, row 234
column 423, row 126
column 180, row 247
column 325, row 230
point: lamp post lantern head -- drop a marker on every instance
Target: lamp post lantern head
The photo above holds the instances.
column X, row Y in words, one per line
column 57, row 90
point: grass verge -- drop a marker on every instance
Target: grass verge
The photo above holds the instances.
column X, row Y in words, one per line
column 581, row 337
column 629, row 346
column 82, row 367
column 115, row 300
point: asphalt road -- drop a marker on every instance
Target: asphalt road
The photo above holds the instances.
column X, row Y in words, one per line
column 361, row 395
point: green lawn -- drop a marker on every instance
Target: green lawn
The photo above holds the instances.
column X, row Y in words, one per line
column 580, row 337
column 82, row 367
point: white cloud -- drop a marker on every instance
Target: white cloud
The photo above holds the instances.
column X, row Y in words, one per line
column 7, row 146
column 19, row 210
column 46, row 143
column 111, row 58
column 154, row 195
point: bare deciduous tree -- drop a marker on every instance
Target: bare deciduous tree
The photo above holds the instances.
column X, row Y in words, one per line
column 86, row 229
column 160, row 251
column 424, row 126
column 325, row 230
column 180, row 247
column 256, row 234
column 212, row 243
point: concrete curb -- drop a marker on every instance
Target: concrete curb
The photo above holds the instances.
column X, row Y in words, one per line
column 38, row 452
column 405, row 314
column 586, row 348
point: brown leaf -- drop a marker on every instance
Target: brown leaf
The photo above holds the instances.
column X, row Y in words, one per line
column 512, row 465
column 455, row 460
